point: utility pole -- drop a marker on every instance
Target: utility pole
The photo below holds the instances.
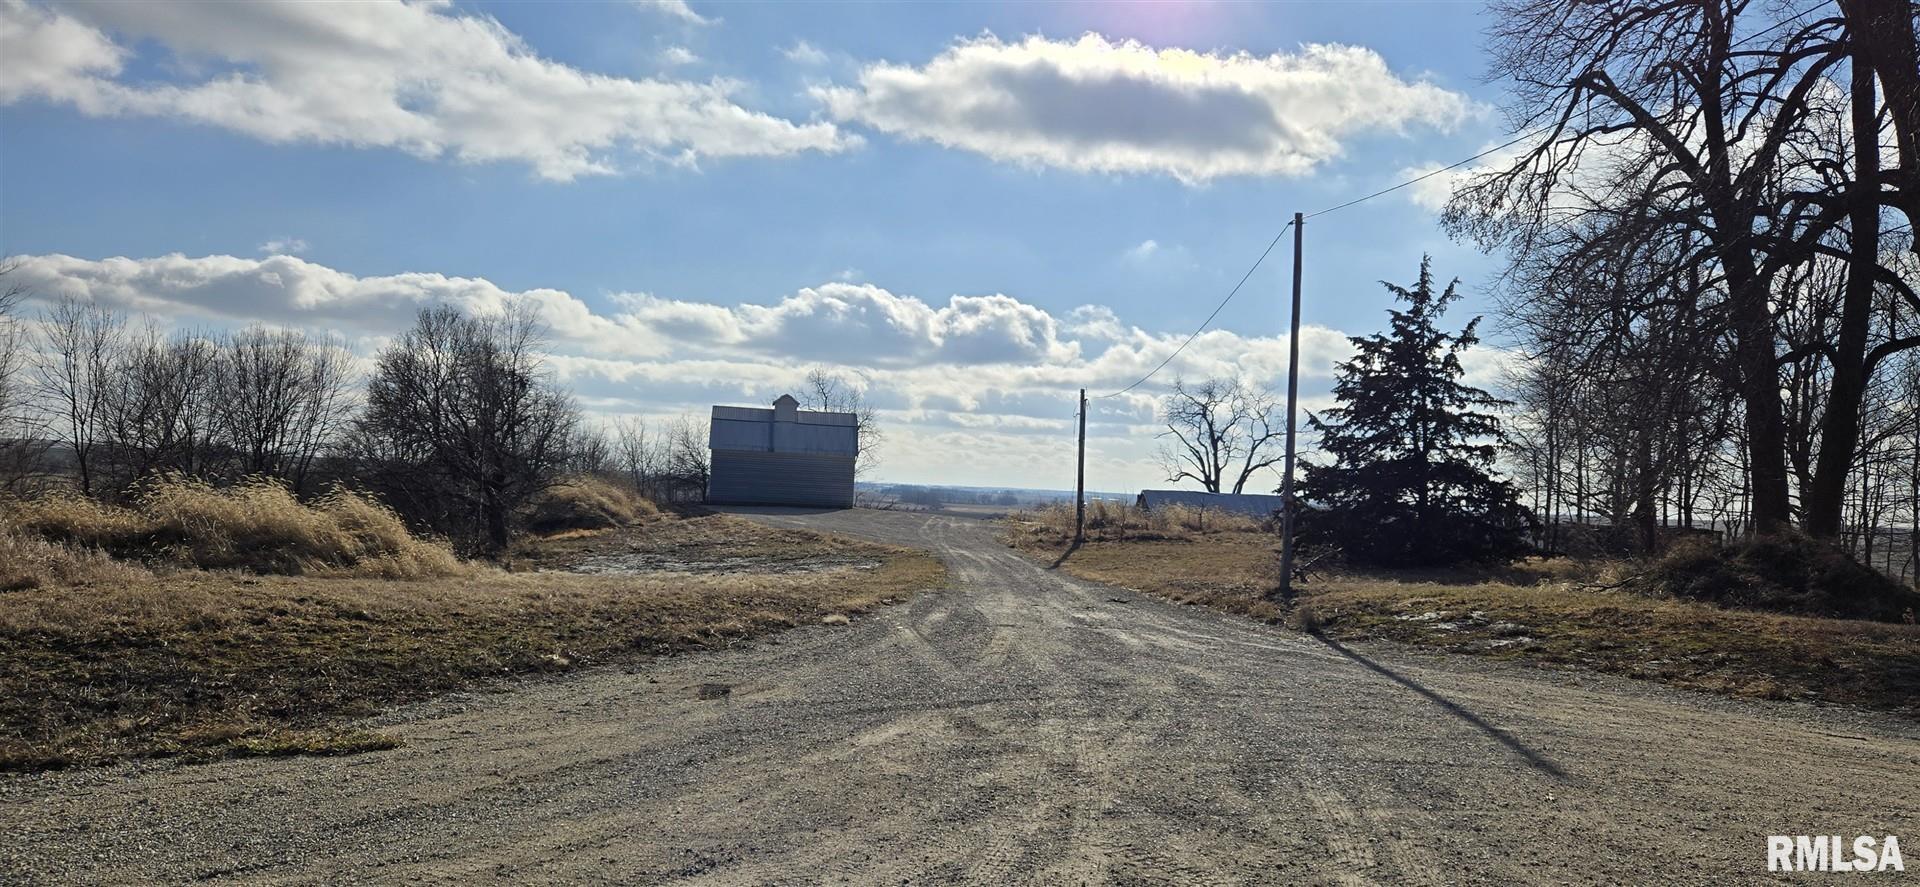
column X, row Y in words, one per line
column 1080, row 483
column 1293, row 395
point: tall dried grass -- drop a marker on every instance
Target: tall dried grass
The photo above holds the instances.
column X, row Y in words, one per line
column 27, row 561
column 585, row 502
column 1108, row 520
column 256, row 525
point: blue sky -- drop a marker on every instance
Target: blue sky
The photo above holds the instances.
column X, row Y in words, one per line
column 709, row 198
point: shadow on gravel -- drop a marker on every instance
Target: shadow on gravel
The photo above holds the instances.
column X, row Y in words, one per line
column 771, row 509
column 1539, row 761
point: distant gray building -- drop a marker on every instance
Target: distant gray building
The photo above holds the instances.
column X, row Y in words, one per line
column 1250, row 504
column 782, row 456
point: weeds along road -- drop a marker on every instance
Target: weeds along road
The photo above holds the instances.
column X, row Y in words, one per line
column 1020, row 727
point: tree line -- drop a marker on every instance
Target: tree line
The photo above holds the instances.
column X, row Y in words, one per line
column 1712, row 272
column 458, row 424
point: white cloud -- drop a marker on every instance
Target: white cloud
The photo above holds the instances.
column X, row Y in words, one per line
column 677, row 9
column 1095, row 105
column 1434, row 192
column 284, row 246
column 985, row 378
column 422, row 78
column 1096, row 322
column 804, row 53
column 678, row 55
column 51, row 55
column 288, row 290
column 1159, row 257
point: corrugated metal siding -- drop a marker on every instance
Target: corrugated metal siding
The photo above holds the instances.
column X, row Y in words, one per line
column 741, row 428
column 816, row 417
column 806, row 437
column 760, row 457
column 729, row 434
column 763, row 478
column 783, row 437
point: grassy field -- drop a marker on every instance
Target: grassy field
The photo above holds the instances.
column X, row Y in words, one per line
column 210, row 663
column 1546, row 612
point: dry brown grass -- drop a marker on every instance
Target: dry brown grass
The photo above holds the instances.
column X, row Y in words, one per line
column 257, row 526
column 1542, row 611
column 1228, row 569
column 585, row 502
column 1114, row 520
column 196, row 663
column 28, row 561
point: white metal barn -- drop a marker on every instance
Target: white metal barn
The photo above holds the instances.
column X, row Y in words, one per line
column 1251, row 504
column 782, row 456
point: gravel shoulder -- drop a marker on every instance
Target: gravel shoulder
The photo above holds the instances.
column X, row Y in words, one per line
column 1019, row 726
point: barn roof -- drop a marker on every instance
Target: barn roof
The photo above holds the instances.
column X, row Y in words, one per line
column 762, row 414
column 763, row 430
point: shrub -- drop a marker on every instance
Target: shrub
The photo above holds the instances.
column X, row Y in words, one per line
column 1783, row 573
column 585, row 502
column 257, row 525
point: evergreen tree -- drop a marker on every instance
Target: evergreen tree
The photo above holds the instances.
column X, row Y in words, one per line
column 1410, row 480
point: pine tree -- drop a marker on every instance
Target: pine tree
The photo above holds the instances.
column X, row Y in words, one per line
column 1410, row 480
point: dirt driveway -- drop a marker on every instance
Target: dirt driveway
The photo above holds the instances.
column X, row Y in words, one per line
column 1018, row 727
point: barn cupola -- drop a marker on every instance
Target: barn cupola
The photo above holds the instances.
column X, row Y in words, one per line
column 786, row 409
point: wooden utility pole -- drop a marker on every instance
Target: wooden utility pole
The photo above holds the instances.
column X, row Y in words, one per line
column 1080, row 482
column 1287, row 507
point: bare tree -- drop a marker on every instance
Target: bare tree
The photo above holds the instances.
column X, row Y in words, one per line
column 466, row 422
column 590, row 452
column 1885, row 40
column 1644, row 105
column 688, row 463
column 1733, row 153
column 640, row 456
column 1617, row 409
column 282, row 398
column 21, row 443
column 74, row 370
column 834, row 392
column 666, row 464
column 157, row 414
column 12, row 339
column 1220, row 433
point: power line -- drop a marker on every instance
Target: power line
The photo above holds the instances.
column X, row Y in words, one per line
column 1216, row 313
column 1283, row 232
column 1421, row 178
column 1527, row 135
column 1389, row 190
column 1773, row 27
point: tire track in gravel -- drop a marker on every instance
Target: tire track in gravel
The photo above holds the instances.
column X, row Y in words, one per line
column 1017, row 727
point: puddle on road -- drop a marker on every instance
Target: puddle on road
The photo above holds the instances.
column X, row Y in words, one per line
column 637, row 562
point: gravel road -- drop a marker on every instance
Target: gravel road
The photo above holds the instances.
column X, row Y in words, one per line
column 1023, row 727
